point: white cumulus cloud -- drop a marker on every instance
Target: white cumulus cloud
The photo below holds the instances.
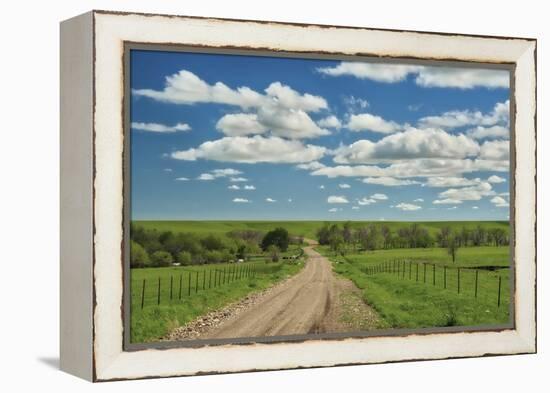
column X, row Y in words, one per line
column 366, row 201
column 330, row 122
column 471, row 193
column 380, row 72
column 493, row 132
column 184, row 87
column 370, row 122
column 460, row 118
column 408, row 206
column 451, row 181
column 270, row 200
column 310, row 166
column 159, row 128
column 344, row 185
column 496, row 179
column 253, row 150
column 337, row 199
column 495, row 150
column 425, row 76
column 240, row 124
column 447, row 201
column 389, row 181
column 412, row 144
column 500, row 202
column 206, row 176
column 241, row 200
column 225, row 172
column 379, row 196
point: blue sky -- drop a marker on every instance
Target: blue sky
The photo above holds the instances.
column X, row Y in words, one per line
column 222, row 137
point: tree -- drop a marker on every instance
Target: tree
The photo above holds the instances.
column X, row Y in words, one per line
column 452, row 247
column 241, row 252
column 273, row 252
column 184, row 257
column 369, row 237
column 499, row 236
column 386, row 235
column 347, row 232
column 138, row 255
column 478, row 236
column 212, row 242
column 247, row 235
column 161, row 258
column 323, row 234
column 443, row 236
column 336, row 242
column 277, row 237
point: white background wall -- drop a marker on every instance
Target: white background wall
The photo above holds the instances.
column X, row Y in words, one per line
column 29, row 194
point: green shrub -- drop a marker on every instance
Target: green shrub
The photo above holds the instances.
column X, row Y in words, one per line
column 138, row 255
column 184, row 258
column 161, row 258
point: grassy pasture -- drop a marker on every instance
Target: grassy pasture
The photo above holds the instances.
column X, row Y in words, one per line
column 401, row 301
column 155, row 321
column 301, row 228
column 405, row 301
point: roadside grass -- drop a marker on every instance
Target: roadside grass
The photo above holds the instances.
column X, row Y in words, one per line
column 405, row 300
column 304, row 228
column 155, row 321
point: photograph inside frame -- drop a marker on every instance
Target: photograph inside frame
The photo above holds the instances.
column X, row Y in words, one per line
column 273, row 197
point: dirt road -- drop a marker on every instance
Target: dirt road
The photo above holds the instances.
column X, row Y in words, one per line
column 313, row 301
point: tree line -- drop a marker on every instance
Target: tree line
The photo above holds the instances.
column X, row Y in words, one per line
column 153, row 248
column 375, row 237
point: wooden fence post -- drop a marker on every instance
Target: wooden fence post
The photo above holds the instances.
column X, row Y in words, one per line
column 434, row 273
column 181, row 279
column 475, row 291
column 424, row 272
column 499, row 285
column 171, row 285
column 158, row 294
column 203, row 280
column 444, row 277
column 458, row 280
column 416, row 271
column 410, row 269
column 197, row 282
column 143, row 294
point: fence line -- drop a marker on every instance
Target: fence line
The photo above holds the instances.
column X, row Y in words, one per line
column 398, row 268
column 206, row 279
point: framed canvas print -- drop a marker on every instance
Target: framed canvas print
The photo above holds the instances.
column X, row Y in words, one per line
column 245, row 195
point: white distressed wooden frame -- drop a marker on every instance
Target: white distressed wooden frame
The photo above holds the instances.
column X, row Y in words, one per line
column 92, row 194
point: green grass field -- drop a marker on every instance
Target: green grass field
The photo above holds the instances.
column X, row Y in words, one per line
column 300, row 228
column 407, row 299
column 203, row 288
